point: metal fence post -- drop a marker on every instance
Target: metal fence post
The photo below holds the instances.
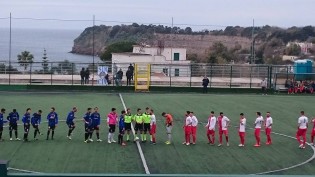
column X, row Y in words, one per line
column 170, row 74
column 250, row 77
column 31, row 73
column 270, row 76
column 72, row 73
column 231, row 76
column 210, row 75
column 51, row 73
column 190, row 75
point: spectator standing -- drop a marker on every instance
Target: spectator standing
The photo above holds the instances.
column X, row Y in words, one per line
column 205, row 82
column 82, row 74
column 263, row 85
column 87, row 76
column 131, row 68
column 129, row 76
column 119, row 76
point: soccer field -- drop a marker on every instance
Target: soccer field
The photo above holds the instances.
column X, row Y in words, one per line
column 73, row 156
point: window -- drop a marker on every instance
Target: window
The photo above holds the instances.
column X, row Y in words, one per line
column 176, row 56
column 176, row 72
column 165, row 71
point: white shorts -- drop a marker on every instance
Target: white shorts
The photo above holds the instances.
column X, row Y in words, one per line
column 169, row 129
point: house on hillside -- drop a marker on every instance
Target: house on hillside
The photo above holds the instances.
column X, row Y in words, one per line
column 305, row 46
column 165, row 61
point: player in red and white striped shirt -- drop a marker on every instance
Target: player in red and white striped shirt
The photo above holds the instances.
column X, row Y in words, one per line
column 258, row 123
column 268, row 124
column 194, row 125
column 313, row 131
column 187, row 128
column 211, row 128
column 225, row 123
column 242, row 129
column 302, row 129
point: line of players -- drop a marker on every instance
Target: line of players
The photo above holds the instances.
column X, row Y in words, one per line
column 146, row 123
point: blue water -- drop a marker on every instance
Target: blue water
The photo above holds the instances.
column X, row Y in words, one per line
column 58, row 43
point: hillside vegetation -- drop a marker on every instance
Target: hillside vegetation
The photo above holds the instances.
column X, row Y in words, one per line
column 270, row 42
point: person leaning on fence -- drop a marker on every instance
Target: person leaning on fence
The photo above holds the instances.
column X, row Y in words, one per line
column 82, row 74
column 205, row 82
column 87, row 76
column 263, row 85
column 129, row 76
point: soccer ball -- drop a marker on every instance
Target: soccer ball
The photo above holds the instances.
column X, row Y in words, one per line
column 136, row 138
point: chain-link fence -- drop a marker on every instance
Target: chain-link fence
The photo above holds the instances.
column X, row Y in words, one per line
column 187, row 75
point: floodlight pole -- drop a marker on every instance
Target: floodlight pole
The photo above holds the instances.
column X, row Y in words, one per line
column 10, row 43
column 93, row 45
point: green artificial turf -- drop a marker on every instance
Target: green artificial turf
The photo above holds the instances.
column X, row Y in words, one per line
column 64, row 156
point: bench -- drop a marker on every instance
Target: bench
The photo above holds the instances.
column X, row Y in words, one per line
column 36, row 82
column 281, row 89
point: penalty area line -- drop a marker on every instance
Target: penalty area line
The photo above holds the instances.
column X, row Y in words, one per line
column 144, row 162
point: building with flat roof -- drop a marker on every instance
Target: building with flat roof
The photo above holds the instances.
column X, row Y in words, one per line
column 167, row 61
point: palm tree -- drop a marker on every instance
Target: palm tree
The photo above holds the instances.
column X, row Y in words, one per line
column 25, row 58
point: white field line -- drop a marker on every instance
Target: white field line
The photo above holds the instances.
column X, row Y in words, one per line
column 137, row 142
column 293, row 166
column 21, row 170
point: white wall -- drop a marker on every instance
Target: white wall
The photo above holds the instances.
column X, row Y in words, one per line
column 166, row 52
column 157, row 63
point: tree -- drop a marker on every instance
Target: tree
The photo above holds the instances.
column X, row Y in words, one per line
column 45, row 63
column 25, row 58
column 219, row 54
column 293, row 49
column 64, row 67
column 116, row 47
column 188, row 30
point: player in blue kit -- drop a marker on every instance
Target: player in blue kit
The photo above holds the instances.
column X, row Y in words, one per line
column 36, row 120
column 2, row 122
column 88, row 124
column 96, row 121
column 27, row 123
column 13, row 119
column 70, row 121
column 121, row 125
column 52, row 118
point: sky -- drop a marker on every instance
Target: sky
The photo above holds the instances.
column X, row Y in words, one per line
column 199, row 14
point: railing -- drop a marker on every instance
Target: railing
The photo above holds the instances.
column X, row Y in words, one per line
column 187, row 75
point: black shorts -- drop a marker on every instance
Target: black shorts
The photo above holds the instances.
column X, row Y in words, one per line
column 96, row 128
column 71, row 125
column 127, row 126
column 35, row 126
column 121, row 131
column 13, row 127
column 263, row 89
column 26, row 128
column 146, row 127
column 112, row 128
column 138, row 127
column 1, row 129
column 51, row 127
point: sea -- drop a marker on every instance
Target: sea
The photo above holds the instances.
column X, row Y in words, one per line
column 57, row 42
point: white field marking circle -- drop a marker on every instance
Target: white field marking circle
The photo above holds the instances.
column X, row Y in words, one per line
column 137, row 142
column 147, row 169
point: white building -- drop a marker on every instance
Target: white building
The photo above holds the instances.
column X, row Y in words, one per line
column 289, row 58
column 166, row 61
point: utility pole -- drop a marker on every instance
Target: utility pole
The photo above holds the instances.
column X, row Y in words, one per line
column 252, row 58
